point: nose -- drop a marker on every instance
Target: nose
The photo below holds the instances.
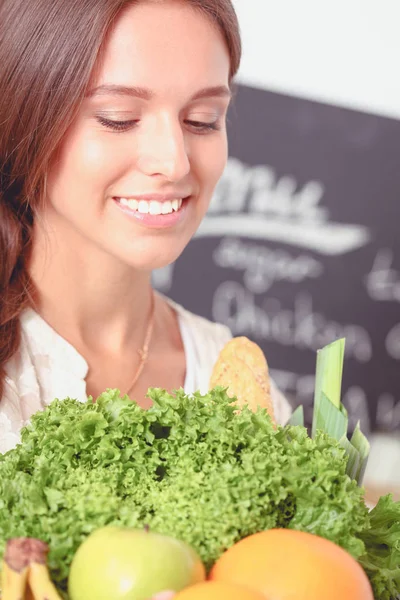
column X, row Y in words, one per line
column 162, row 150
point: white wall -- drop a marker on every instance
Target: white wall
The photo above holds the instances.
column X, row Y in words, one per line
column 344, row 52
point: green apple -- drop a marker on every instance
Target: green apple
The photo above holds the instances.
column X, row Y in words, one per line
column 120, row 563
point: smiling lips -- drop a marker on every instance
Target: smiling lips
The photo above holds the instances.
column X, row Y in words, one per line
column 151, row 207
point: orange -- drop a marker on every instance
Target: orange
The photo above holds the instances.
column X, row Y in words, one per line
column 284, row 564
column 216, row 590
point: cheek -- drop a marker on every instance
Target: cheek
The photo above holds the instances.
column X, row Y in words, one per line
column 211, row 162
column 85, row 163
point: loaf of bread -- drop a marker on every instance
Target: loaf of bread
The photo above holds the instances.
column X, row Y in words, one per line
column 242, row 368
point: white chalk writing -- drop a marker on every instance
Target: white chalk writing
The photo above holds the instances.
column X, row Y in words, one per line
column 299, row 327
column 252, row 202
column 257, row 189
column 262, row 266
column 393, row 342
column 383, row 282
column 388, row 412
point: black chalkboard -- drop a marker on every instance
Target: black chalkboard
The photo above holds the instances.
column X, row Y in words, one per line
column 301, row 246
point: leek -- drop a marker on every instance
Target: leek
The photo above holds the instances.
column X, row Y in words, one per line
column 330, row 415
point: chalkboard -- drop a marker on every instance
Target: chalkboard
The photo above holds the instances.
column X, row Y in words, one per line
column 301, row 246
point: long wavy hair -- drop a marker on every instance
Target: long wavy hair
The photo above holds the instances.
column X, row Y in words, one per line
column 48, row 51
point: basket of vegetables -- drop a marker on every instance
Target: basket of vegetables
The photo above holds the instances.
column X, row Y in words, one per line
column 107, row 500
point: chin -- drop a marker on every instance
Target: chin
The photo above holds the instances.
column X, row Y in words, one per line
column 147, row 261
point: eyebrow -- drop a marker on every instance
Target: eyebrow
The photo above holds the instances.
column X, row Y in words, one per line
column 219, row 91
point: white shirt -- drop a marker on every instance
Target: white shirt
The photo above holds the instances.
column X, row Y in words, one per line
column 46, row 367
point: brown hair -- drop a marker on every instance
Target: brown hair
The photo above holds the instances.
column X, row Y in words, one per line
column 48, row 50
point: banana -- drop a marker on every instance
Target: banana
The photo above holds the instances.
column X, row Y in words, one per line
column 40, row 583
column 13, row 583
column 24, row 571
column 14, row 570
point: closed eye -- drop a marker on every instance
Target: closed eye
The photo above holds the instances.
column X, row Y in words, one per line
column 117, row 125
column 199, row 127
column 202, row 127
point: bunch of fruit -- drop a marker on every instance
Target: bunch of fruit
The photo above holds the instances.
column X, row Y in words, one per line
column 24, row 574
column 131, row 564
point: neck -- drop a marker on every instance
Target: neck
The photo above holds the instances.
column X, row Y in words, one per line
column 93, row 301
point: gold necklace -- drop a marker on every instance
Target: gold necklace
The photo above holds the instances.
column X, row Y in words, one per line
column 144, row 351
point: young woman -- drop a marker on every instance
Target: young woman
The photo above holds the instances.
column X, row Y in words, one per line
column 112, row 139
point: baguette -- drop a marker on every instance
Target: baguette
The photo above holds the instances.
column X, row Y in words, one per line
column 241, row 367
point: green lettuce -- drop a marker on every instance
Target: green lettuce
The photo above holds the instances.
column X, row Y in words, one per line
column 192, row 467
column 382, row 541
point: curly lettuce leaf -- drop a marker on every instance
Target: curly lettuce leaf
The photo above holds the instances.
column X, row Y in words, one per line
column 382, row 542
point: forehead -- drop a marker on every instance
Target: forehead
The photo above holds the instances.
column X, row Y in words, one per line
column 164, row 46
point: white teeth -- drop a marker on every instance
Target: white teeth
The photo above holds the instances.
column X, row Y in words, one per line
column 133, row 204
column 143, row 207
column 153, row 207
column 166, row 207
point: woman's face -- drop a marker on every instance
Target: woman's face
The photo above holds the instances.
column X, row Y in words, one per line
column 137, row 169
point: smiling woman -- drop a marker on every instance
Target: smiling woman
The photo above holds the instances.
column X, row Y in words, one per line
column 112, row 140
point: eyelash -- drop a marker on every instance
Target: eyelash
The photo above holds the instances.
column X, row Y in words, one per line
column 123, row 126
